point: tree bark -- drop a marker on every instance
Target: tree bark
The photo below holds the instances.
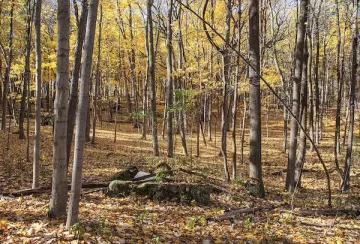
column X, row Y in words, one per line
column 81, row 29
column 26, row 77
column 340, row 85
column 299, row 165
column 169, row 83
column 59, row 184
column 255, row 99
column 299, row 60
column 345, row 184
column 36, row 162
column 98, row 78
column 7, row 71
column 151, row 60
column 81, row 115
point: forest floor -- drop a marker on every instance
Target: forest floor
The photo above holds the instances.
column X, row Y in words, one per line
column 140, row 220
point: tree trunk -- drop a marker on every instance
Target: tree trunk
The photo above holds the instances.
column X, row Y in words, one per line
column 151, row 60
column 81, row 29
column 255, row 99
column 340, row 85
column 26, row 77
column 345, row 184
column 226, row 81
column 131, row 58
column 299, row 165
column 81, row 115
column 36, row 162
column 59, row 184
column 98, row 77
column 299, row 60
column 7, row 71
column 169, row 84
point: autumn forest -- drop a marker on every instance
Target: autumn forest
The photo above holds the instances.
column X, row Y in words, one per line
column 197, row 121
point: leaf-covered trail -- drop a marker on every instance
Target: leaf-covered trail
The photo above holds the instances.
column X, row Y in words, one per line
column 139, row 220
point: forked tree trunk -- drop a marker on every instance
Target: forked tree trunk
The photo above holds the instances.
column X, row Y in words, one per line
column 81, row 115
column 59, row 182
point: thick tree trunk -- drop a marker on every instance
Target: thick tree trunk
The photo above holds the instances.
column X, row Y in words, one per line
column 36, row 162
column 255, row 100
column 299, row 60
column 81, row 115
column 59, row 184
column 81, row 29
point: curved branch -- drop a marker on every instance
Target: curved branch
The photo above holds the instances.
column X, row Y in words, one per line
column 205, row 23
column 205, row 28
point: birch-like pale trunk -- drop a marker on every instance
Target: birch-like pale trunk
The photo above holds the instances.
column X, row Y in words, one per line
column 81, row 115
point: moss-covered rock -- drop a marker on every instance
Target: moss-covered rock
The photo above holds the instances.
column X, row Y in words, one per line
column 119, row 188
column 255, row 188
column 126, row 175
column 180, row 193
column 163, row 170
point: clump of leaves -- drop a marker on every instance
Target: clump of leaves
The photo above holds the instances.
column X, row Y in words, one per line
column 78, row 230
column 190, row 223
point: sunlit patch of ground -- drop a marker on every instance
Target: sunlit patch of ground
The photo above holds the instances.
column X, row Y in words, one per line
column 139, row 220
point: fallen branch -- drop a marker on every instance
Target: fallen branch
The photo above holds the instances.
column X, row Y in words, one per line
column 234, row 213
column 327, row 212
column 44, row 189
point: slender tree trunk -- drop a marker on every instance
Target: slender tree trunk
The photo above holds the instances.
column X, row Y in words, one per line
column 98, row 78
column 345, row 184
column 181, row 98
column 169, row 83
column 81, row 115
column 151, row 60
column 81, row 25
column 146, row 85
column 340, row 84
column 59, row 182
column 303, row 116
column 36, row 162
column 299, row 61
column 7, row 80
column 243, row 129
column 316, row 81
column 131, row 57
column 226, row 81
column 26, row 77
column 234, row 111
